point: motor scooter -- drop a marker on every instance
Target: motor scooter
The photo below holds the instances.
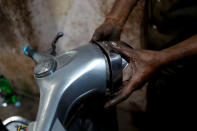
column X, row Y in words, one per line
column 73, row 88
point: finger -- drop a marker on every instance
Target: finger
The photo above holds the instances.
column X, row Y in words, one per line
column 109, row 94
column 122, row 49
column 120, row 96
column 123, row 94
column 107, row 33
column 115, row 36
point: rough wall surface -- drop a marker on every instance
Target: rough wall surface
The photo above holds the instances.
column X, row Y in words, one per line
column 36, row 22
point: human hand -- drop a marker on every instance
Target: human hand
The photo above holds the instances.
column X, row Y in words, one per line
column 144, row 64
column 110, row 30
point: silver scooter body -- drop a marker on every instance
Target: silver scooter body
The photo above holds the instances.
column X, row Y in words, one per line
column 78, row 73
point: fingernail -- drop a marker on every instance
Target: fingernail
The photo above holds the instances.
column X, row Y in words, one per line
column 114, row 45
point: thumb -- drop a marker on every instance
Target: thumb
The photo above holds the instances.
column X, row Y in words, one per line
column 121, row 48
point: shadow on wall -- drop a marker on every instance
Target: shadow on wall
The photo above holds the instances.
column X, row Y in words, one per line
column 36, row 22
column 16, row 30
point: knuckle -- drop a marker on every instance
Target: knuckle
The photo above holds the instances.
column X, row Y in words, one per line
column 127, row 91
column 124, row 95
column 127, row 53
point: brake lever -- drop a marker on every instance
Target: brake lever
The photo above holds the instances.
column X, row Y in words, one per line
column 53, row 52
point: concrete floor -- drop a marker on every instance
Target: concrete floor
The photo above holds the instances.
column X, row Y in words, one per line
column 35, row 23
column 28, row 109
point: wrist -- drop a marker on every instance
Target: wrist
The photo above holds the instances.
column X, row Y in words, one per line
column 165, row 57
column 115, row 20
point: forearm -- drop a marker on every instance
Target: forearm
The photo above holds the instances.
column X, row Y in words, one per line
column 121, row 10
column 179, row 51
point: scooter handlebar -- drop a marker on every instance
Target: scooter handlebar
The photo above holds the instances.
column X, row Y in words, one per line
column 29, row 51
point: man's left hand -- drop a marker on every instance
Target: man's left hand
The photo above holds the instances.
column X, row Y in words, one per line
column 144, row 64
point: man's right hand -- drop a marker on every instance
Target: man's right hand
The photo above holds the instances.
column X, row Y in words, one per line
column 144, row 64
column 110, row 30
